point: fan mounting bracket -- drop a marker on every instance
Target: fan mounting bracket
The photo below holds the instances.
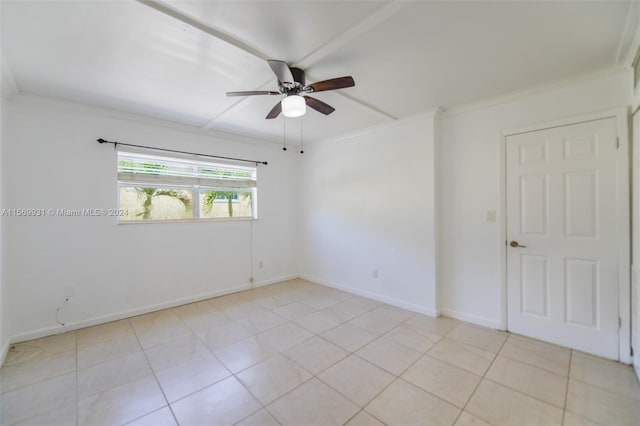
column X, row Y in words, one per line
column 297, row 86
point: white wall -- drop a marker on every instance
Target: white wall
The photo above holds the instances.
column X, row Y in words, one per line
column 116, row 269
column 635, row 225
column 348, row 226
column 7, row 87
column 367, row 203
column 4, row 321
column 469, row 275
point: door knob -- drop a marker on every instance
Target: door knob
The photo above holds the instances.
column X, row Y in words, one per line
column 515, row 244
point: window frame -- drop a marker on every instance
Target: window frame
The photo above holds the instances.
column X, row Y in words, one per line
column 182, row 182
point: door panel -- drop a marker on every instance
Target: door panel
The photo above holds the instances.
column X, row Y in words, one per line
column 582, row 291
column 534, row 285
column 562, row 279
column 533, row 205
column 581, row 203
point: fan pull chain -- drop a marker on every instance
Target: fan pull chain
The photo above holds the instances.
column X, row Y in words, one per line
column 301, row 136
column 284, row 133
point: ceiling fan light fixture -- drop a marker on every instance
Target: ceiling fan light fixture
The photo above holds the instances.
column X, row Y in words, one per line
column 294, row 106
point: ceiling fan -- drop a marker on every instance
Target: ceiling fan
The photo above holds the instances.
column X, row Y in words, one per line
column 291, row 82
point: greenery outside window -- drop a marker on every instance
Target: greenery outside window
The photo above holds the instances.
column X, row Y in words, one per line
column 153, row 188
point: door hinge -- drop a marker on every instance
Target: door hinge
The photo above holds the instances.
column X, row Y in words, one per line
column 619, row 322
column 617, row 142
column 631, row 350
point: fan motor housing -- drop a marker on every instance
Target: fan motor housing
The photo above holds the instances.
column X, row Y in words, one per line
column 298, row 76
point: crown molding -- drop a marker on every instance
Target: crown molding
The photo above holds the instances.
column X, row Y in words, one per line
column 37, row 100
column 533, row 91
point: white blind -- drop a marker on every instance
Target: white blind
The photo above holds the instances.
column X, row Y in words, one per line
column 150, row 169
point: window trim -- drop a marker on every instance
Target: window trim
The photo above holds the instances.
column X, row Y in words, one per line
column 196, row 184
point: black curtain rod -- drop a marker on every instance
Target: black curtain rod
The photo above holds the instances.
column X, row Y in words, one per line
column 115, row 145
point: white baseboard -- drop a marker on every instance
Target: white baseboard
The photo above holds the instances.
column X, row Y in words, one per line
column 48, row 331
column 391, row 301
column 4, row 351
column 472, row 319
column 276, row 280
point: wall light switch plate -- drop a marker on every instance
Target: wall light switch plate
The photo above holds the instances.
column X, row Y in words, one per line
column 490, row 216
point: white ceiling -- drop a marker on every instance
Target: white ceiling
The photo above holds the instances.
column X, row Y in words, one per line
column 406, row 57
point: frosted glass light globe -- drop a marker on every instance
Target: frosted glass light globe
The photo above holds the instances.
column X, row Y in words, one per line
column 294, row 106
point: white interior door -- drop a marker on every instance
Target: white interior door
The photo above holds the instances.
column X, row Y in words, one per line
column 562, row 274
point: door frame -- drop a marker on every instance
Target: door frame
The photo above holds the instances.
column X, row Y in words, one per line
column 623, row 217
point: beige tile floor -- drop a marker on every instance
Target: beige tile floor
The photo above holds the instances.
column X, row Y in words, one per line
column 296, row 353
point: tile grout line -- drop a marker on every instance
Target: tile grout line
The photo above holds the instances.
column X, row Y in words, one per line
column 315, row 376
column 362, row 410
column 453, row 365
column 481, row 380
column 396, row 377
column 354, row 416
column 533, row 365
column 566, row 391
column 263, row 406
column 285, row 355
column 518, row 390
column 568, row 376
column 609, row 391
column 513, row 389
column 523, row 393
column 231, row 375
column 514, row 360
column 313, row 334
column 153, row 373
column 57, row 375
column 341, row 324
column 426, row 353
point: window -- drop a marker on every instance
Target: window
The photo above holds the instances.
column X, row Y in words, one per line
column 153, row 188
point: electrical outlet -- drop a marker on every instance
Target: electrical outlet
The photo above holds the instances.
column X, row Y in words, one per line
column 261, row 264
column 490, row 216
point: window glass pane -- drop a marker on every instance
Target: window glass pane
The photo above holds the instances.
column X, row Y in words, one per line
column 158, row 166
column 154, row 167
column 218, row 203
column 156, row 203
column 164, row 188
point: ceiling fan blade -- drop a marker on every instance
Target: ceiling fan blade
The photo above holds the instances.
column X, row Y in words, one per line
column 319, row 106
column 252, row 93
column 332, row 84
column 275, row 111
column 281, row 70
